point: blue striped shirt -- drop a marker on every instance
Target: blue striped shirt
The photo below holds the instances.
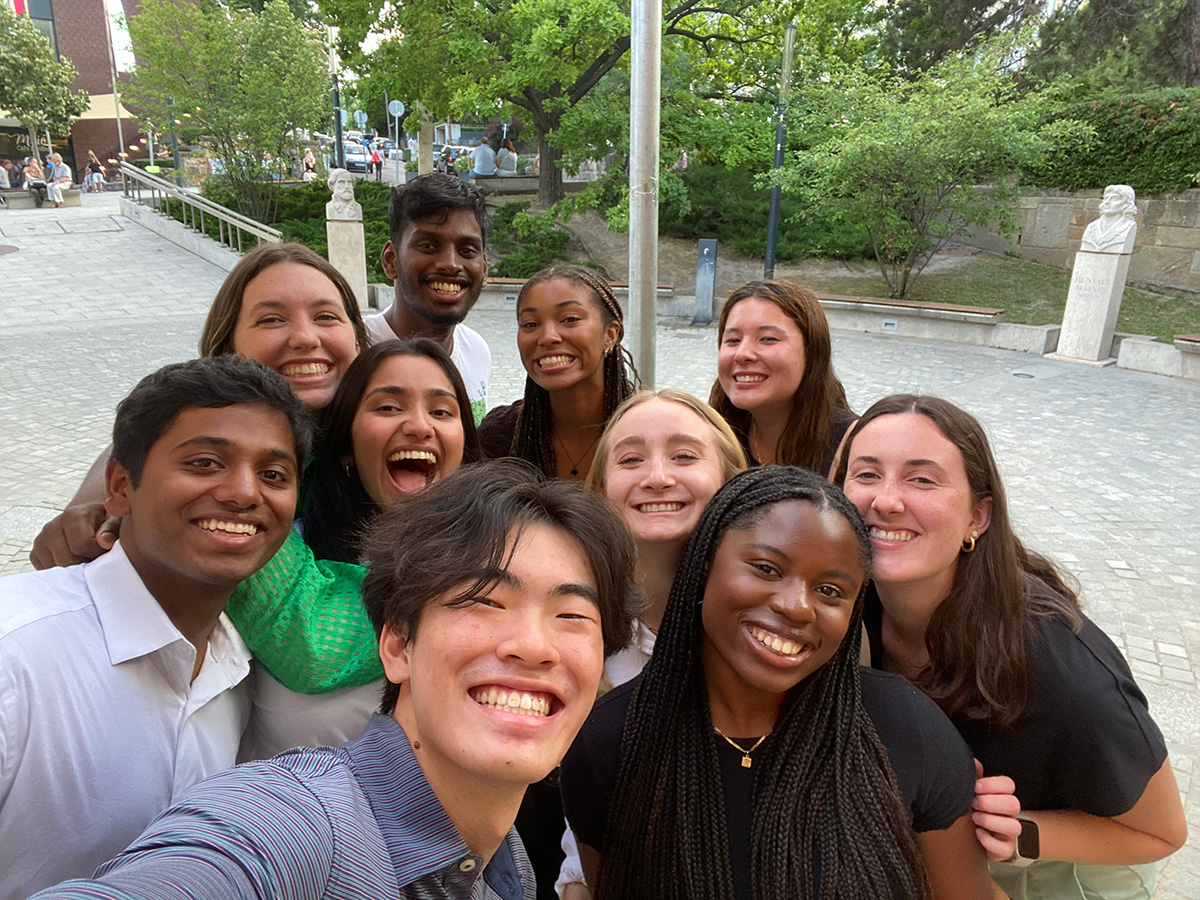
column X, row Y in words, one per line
column 355, row 823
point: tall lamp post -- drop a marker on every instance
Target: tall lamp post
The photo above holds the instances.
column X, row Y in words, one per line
column 339, row 152
column 645, row 90
column 785, row 81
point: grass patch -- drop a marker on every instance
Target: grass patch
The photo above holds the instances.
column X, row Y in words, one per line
column 1030, row 293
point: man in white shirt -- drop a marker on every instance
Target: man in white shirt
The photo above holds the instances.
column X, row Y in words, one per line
column 121, row 681
column 483, row 159
column 437, row 259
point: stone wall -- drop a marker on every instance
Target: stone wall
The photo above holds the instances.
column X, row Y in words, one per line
column 1166, row 254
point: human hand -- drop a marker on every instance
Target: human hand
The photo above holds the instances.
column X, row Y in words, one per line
column 994, row 812
column 78, row 534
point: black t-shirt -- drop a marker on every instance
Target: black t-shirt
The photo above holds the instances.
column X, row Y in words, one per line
column 1086, row 741
column 933, row 766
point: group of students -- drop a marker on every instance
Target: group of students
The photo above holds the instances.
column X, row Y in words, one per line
column 43, row 184
column 846, row 675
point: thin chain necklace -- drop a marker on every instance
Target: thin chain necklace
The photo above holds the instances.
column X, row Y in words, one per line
column 575, row 462
column 757, row 453
column 747, row 762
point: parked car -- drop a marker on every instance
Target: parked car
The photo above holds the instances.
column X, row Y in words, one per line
column 357, row 159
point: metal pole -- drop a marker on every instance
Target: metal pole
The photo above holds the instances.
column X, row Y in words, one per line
column 112, row 69
column 645, row 89
column 785, row 80
column 339, row 152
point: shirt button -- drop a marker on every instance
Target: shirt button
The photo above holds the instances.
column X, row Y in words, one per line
column 467, row 865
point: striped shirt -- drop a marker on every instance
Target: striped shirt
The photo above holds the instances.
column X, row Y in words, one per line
column 353, row 823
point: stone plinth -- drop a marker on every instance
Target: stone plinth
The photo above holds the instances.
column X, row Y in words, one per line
column 348, row 253
column 1093, row 302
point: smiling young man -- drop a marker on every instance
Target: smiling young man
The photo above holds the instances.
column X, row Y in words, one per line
column 120, row 680
column 496, row 595
column 436, row 257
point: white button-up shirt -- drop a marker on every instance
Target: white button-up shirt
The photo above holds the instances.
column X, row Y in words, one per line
column 101, row 724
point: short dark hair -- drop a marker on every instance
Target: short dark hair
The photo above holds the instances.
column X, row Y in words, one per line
column 211, row 382
column 451, row 539
column 338, row 508
column 435, row 196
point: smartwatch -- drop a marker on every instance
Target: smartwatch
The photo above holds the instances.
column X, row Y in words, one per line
column 1028, row 843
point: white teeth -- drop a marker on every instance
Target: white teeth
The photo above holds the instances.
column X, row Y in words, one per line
column 422, row 455
column 549, row 362
column 880, row 534
column 659, row 507
column 228, row 527
column 522, row 703
column 749, row 379
column 304, row 369
column 775, row 642
column 445, row 287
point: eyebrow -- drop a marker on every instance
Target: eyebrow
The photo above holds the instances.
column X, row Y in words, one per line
column 398, row 391
column 204, row 440
column 678, row 437
column 913, row 463
column 275, row 303
column 506, row 579
column 571, row 301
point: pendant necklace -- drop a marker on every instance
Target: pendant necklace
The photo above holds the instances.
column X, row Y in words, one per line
column 747, row 762
column 575, row 462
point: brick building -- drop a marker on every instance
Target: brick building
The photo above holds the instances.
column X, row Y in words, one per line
column 77, row 30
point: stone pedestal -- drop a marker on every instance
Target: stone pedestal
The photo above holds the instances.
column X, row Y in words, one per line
column 1098, row 281
column 348, row 253
column 1093, row 303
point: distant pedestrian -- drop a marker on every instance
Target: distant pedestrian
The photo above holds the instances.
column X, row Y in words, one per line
column 310, row 165
column 483, row 160
column 35, row 180
column 376, row 164
column 93, row 181
column 506, row 159
column 60, row 180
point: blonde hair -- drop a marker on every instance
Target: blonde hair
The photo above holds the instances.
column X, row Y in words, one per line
column 729, row 450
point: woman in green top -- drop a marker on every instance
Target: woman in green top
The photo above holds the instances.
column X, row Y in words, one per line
column 400, row 420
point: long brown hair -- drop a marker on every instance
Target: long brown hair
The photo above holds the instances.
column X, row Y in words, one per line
column 820, row 400
column 977, row 637
column 216, row 336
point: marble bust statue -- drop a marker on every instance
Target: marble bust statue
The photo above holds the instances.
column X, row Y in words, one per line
column 343, row 206
column 1116, row 228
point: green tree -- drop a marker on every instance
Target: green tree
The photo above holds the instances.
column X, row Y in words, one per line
column 917, row 162
column 242, row 85
column 35, row 86
column 537, row 58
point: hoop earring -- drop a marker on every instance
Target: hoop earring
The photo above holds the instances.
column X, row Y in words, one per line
column 969, row 544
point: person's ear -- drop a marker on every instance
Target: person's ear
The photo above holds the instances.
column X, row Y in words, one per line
column 612, row 334
column 982, row 516
column 118, row 487
column 393, row 653
column 388, row 259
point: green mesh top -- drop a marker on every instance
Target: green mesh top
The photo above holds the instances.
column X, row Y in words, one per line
column 304, row 621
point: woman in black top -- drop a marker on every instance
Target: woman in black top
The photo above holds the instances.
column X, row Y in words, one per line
column 752, row 759
column 993, row 633
column 569, row 330
column 775, row 382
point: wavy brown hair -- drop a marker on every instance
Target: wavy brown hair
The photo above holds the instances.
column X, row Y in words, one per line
column 977, row 638
column 216, row 337
column 821, row 399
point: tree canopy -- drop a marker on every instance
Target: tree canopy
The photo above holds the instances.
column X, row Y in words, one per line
column 241, row 84
column 35, row 86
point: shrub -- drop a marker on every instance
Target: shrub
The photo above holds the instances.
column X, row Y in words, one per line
column 1150, row 141
column 522, row 242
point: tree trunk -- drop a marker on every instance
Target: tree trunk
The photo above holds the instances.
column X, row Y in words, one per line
column 1193, row 43
column 550, row 186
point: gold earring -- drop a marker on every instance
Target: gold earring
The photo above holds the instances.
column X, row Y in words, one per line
column 969, row 544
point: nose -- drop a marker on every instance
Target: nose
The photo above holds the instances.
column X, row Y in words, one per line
column 417, row 424
column 530, row 639
column 744, row 351
column 887, row 498
column 239, row 488
column 449, row 259
column 794, row 601
column 303, row 333
column 659, row 473
column 548, row 335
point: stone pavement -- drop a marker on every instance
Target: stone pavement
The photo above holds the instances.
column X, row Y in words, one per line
column 1101, row 464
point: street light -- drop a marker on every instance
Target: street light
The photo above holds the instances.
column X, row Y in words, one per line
column 785, row 81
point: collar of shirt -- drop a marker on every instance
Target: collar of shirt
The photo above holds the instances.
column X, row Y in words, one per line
column 134, row 624
column 420, row 836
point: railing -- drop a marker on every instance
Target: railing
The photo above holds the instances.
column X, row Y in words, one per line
column 194, row 210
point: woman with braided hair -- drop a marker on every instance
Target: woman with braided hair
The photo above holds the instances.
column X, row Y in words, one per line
column 569, row 330
column 753, row 757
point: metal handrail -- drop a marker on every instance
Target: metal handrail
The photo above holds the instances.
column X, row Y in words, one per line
column 230, row 224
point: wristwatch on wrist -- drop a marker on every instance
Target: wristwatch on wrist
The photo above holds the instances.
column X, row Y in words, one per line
column 1028, row 843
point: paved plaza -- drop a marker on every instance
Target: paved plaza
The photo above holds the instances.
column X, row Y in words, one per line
column 1102, row 465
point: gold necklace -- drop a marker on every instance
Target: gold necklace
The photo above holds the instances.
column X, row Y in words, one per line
column 758, row 455
column 747, row 762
